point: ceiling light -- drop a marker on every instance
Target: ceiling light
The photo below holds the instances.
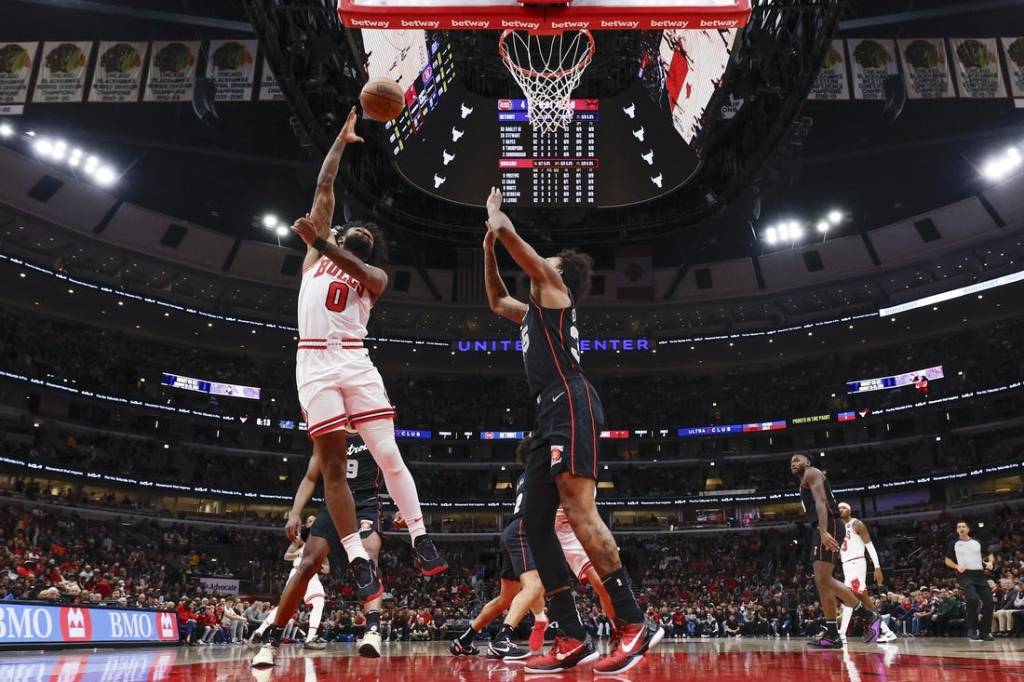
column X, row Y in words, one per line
column 1003, row 166
column 835, row 216
column 43, row 146
column 270, row 221
column 823, row 226
column 105, row 176
column 6, row 129
column 282, row 231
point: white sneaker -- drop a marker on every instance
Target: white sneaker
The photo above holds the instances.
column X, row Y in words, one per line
column 890, row 637
column 265, row 657
column 370, row 646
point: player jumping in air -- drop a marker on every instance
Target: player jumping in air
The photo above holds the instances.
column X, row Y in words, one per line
column 312, row 555
column 856, row 543
column 339, row 387
column 823, row 514
column 561, row 467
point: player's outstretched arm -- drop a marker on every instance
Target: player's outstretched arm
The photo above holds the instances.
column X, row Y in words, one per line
column 322, row 212
column 373, row 278
column 539, row 270
column 497, row 293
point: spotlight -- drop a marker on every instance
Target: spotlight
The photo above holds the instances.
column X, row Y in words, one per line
column 6, row 129
column 43, row 146
column 1002, row 167
column 835, row 216
column 60, row 149
column 282, row 231
column 105, row 176
column 770, row 236
column 823, row 226
column 796, row 231
column 91, row 164
column 270, row 221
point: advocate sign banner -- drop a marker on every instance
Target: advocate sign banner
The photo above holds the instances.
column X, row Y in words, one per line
column 32, row 624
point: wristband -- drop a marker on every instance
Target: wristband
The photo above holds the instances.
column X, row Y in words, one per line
column 320, row 244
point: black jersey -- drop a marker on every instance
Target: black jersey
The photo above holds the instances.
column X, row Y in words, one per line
column 517, row 513
column 810, row 509
column 551, row 346
column 364, row 476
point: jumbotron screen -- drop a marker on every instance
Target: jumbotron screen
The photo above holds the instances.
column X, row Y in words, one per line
column 617, row 151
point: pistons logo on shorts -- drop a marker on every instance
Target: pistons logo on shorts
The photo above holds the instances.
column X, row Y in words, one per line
column 365, row 525
column 556, row 454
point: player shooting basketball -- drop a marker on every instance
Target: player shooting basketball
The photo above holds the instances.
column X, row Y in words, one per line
column 561, row 467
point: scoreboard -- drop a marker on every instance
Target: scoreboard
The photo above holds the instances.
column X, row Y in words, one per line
column 557, row 168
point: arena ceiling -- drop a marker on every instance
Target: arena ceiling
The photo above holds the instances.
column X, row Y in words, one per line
column 226, row 172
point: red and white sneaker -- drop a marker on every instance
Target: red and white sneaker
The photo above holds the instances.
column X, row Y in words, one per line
column 636, row 640
column 565, row 653
column 537, row 634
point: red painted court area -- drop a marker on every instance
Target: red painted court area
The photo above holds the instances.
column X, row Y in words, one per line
column 913, row 661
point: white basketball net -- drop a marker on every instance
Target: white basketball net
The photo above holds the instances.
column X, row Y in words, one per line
column 547, row 69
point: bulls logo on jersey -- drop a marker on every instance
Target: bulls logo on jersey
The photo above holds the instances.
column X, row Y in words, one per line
column 75, row 624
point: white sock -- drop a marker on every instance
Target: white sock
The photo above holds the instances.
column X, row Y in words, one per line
column 380, row 439
column 354, row 547
column 315, row 614
column 267, row 622
column 885, row 628
column 847, row 615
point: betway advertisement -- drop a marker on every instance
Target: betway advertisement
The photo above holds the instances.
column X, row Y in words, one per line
column 31, row 624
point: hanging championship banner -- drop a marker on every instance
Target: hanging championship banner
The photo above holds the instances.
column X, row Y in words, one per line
column 16, row 61
column 978, row 72
column 926, row 69
column 117, row 76
column 172, row 71
column 832, row 82
column 232, row 66
column 270, row 89
column 1013, row 48
column 62, row 74
column 872, row 61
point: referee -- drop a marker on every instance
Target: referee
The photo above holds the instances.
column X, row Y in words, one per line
column 964, row 555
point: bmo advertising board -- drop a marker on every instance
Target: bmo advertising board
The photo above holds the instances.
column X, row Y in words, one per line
column 23, row 624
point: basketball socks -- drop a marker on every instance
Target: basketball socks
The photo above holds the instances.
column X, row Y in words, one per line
column 505, row 633
column 466, row 638
column 268, row 621
column 621, row 591
column 315, row 615
column 354, row 547
column 373, row 621
column 380, row 439
column 562, row 608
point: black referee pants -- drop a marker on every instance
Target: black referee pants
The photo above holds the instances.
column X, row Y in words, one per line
column 977, row 593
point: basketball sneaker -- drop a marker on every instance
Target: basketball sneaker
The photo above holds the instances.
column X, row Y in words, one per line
column 368, row 586
column 537, row 634
column 826, row 640
column 888, row 637
column 265, row 657
column 873, row 629
column 427, row 559
column 370, row 646
column 633, row 641
column 507, row 650
column 457, row 648
column 565, row 653
column 314, row 644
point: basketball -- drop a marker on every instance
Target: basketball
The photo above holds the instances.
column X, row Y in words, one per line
column 382, row 99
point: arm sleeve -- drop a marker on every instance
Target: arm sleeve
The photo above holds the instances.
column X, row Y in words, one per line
column 870, row 547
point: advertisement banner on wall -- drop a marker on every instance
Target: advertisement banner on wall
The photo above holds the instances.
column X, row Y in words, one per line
column 1013, row 48
column 16, row 60
column 232, row 66
column 117, row 76
column 979, row 74
column 33, row 623
column 872, row 62
column 62, row 74
column 832, row 82
column 172, row 71
column 219, row 585
column 926, row 68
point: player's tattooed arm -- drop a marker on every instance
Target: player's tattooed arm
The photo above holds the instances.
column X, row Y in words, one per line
column 372, row 277
column 322, row 212
column 497, row 293
column 540, row 271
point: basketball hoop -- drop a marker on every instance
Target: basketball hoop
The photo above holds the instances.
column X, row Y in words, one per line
column 547, row 68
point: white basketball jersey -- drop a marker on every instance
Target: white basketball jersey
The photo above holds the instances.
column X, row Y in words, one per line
column 298, row 560
column 853, row 545
column 332, row 305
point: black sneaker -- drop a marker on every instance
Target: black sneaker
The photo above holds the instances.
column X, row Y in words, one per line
column 507, row 650
column 873, row 630
column 987, row 637
column 427, row 559
column 368, row 585
column 826, row 640
column 974, row 636
column 457, row 648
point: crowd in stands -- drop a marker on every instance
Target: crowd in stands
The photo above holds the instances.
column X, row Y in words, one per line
column 96, row 359
column 750, row 584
